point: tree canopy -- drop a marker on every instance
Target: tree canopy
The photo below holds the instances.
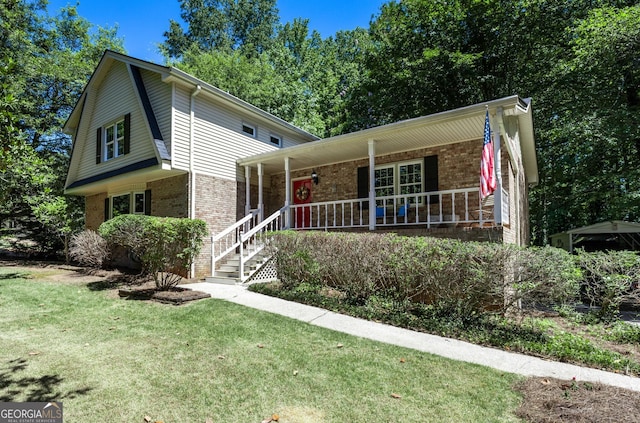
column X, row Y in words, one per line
column 577, row 59
column 45, row 61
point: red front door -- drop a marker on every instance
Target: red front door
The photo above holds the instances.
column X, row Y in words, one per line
column 302, row 195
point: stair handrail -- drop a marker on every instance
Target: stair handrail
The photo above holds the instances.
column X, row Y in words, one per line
column 247, row 236
column 266, row 222
column 235, row 231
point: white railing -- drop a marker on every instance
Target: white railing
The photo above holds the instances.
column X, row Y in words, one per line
column 230, row 239
column 247, row 237
column 254, row 241
column 436, row 208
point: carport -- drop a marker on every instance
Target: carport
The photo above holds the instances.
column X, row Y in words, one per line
column 612, row 235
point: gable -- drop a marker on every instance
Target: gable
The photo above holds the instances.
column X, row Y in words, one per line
column 107, row 101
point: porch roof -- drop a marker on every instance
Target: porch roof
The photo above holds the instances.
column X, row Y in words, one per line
column 449, row 127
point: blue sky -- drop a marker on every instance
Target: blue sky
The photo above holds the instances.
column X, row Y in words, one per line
column 142, row 22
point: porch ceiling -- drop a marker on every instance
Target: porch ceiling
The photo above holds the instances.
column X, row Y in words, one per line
column 439, row 129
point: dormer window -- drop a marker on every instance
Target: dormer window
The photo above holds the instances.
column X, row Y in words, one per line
column 113, row 139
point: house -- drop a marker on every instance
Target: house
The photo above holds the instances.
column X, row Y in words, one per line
column 155, row 140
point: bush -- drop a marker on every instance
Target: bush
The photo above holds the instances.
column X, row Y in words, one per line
column 466, row 276
column 89, row 249
column 165, row 246
column 126, row 231
column 546, row 277
column 610, row 278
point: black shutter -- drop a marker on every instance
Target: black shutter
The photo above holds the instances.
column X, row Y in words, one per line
column 147, row 202
column 106, row 209
column 98, row 145
column 127, row 133
column 431, row 176
column 363, row 184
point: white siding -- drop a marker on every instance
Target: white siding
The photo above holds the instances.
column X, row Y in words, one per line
column 114, row 97
column 160, row 97
column 220, row 141
column 180, row 137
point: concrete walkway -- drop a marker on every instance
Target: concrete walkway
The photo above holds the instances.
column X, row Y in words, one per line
column 450, row 348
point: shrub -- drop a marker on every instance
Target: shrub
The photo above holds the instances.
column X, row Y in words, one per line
column 127, row 231
column 172, row 246
column 546, row 276
column 469, row 277
column 165, row 246
column 610, row 278
column 89, row 249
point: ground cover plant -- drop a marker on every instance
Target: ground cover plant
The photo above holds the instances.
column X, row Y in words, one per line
column 68, row 338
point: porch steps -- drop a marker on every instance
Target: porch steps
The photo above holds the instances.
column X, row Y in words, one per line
column 229, row 271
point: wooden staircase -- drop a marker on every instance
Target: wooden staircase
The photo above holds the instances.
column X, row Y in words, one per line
column 229, row 271
column 238, row 252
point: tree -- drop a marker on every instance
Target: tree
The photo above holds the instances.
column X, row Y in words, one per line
column 222, row 25
column 590, row 138
column 47, row 61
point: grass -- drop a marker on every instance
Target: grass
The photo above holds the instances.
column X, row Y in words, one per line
column 114, row 360
column 576, row 338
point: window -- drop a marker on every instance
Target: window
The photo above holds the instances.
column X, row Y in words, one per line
column 130, row 203
column 276, row 140
column 249, row 129
column 120, row 204
column 138, row 203
column 113, row 139
column 399, row 179
column 402, row 178
column 410, row 178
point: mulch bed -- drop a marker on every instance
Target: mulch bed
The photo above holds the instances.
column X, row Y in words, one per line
column 549, row 400
column 174, row 296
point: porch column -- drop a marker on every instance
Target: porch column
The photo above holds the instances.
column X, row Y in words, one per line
column 372, row 185
column 247, row 190
column 287, row 192
column 260, row 197
column 571, row 243
column 497, row 168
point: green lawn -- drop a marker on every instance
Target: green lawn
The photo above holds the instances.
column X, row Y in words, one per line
column 115, row 360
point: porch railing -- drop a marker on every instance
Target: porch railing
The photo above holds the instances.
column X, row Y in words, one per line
column 436, row 208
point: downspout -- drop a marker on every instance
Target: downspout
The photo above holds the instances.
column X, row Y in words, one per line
column 192, row 175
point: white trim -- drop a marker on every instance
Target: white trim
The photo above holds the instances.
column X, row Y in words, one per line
column 117, row 139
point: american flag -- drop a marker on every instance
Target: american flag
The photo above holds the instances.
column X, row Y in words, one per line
column 487, row 172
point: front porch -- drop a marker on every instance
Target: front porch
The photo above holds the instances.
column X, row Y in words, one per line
column 237, row 253
column 415, row 177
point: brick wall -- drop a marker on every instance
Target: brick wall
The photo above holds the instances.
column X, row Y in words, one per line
column 220, row 203
column 170, row 196
column 94, row 210
column 458, row 167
